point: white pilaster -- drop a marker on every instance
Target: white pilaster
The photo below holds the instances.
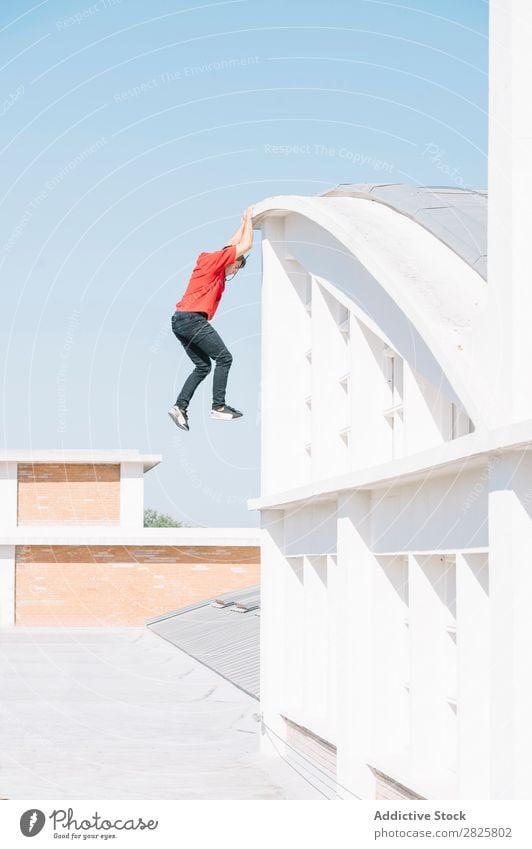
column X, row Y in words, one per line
column 510, row 529
column 316, row 655
column 355, row 571
column 285, row 328
column 473, row 645
column 8, row 496
column 433, row 669
column 293, row 640
column 333, row 647
column 131, row 495
column 369, row 397
column 390, row 657
column 7, row 585
column 330, row 362
column 504, row 349
column 272, row 655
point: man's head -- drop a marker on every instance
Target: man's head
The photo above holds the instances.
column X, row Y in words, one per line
column 231, row 270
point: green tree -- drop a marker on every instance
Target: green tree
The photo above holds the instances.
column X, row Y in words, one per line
column 153, row 519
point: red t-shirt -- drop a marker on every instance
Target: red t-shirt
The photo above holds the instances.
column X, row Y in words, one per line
column 207, row 282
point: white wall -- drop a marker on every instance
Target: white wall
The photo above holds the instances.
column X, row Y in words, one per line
column 131, row 495
column 427, row 415
column 7, row 585
column 510, row 522
column 365, row 633
column 503, row 350
column 330, row 362
column 459, row 630
column 285, row 384
column 355, row 704
column 272, row 623
column 299, row 636
column 310, row 528
column 432, row 618
column 333, row 344
column 473, row 675
column 390, row 658
column 323, row 256
column 383, row 652
column 446, row 513
column 370, row 396
column 8, row 496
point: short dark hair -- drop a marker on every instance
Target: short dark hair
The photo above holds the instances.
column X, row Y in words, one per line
column 242, row 259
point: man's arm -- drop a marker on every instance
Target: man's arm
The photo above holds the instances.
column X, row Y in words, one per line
column 246, row 237
column 243, row 237
column 237, row 235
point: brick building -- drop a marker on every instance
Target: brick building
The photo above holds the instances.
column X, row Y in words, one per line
column 73, row 549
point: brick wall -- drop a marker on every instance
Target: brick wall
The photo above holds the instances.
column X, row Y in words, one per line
column 68, row 494
column 115, row 585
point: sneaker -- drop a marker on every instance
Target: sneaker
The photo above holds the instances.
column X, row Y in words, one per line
column 179, row 417
column 226, row 412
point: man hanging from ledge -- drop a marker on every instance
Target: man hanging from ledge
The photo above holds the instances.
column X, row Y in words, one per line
column 190, row 323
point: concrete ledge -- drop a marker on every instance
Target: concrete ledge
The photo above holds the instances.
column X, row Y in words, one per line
column 457, row 455
column 80, row 456
column 114, row 535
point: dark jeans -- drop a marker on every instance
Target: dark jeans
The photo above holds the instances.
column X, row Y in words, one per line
column 202, row 343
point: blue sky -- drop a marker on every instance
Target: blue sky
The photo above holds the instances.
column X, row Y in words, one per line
column 132, row 137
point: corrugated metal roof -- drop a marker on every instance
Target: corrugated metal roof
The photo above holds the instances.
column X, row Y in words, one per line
column 224, row 637
column 458, row 217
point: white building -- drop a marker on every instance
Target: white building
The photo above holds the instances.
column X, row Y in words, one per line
column 396, row 495
column 74, row 549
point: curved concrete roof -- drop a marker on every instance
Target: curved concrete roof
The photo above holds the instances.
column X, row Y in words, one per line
column 441, row 294
column 458, row 217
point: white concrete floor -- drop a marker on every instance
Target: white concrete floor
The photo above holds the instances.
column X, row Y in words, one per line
column 118, row 713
